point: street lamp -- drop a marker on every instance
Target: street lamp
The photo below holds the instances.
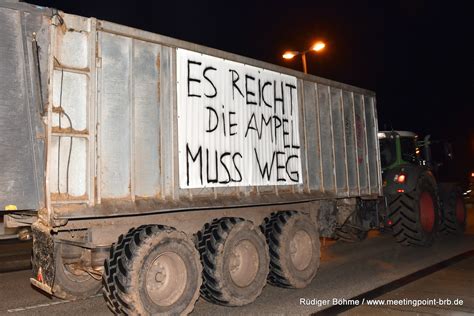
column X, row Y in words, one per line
column 318, row 46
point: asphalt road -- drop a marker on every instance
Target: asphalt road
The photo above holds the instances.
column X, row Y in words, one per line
column 14, row 255
column 447, row 291
column 346, row 270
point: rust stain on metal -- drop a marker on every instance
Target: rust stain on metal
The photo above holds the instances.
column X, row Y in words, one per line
column 77, row 31
column 67, row 197
column 70, row 208
column 68, row 130
column 61, row 26
column 59, row 66
column 40, row 135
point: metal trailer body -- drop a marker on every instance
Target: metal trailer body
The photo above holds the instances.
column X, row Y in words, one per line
column 91, row 136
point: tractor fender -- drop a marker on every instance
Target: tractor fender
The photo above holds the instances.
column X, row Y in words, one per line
column 412, row 174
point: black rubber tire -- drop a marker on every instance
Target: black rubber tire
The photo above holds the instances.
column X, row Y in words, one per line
column 280, row 229
column 109, row 290
column 216, row 242
column 125, row 271
column 404, row 212
column 451, row 199
column 68, row 285
column 350, row 234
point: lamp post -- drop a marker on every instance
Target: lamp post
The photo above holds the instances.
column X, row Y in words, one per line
column 318, row 46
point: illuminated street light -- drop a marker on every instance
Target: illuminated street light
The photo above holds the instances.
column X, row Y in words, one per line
column 318, row 46
column 290, row 54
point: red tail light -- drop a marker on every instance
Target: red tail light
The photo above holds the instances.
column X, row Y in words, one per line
column 400, row 178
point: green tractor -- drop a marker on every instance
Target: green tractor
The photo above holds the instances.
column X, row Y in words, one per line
column 416, row 207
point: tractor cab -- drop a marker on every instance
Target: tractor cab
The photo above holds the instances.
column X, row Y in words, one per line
column 398, row 148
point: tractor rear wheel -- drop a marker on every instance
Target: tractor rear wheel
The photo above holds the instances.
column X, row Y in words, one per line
column 453, row 219
column 415, row 215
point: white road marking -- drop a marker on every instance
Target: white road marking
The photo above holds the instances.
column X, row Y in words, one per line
column 22, row 309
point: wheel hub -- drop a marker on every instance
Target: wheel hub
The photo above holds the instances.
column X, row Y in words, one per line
column 166, row 279
column 427, row 212
column 243, row 263
column 301, row 250
column 160, row 276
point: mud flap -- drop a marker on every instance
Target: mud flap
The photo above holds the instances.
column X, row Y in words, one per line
column 43, row 258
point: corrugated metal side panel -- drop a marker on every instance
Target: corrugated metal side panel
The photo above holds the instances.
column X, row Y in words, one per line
column 377, row 145
column 138, row 130
column 72, row 176
column 351, row 174
column 326, row 139
column 115, row 116
column 70, row 92
column 130, row 111
column 167, row 123
column 72, row 45
column 175, row 43
column 68, row 154
column 313, row 149
column 350, row 136
column 372, row 144
column 73, row 90
column 361, row 136
column 146, row 110
column 17, row 158
column 339, row 142
column 301, row 142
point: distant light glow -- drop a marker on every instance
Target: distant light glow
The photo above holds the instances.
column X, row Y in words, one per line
column 400, row 190
column 318, row 46
column 472, row 174
column 290, row 54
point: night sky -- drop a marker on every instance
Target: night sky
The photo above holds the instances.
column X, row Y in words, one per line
column 418, row 56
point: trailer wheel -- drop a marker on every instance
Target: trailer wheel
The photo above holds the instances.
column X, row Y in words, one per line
column 154, row 269
column 453, row 219
column 109, row 290
column 415, row 215
column 294, row 246
column 348, row 233
column 70, row 282
column 235, row 261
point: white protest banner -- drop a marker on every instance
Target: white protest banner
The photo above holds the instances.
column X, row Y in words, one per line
column 237, row 124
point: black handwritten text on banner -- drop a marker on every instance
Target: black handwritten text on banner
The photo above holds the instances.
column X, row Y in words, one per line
column 237, row 124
